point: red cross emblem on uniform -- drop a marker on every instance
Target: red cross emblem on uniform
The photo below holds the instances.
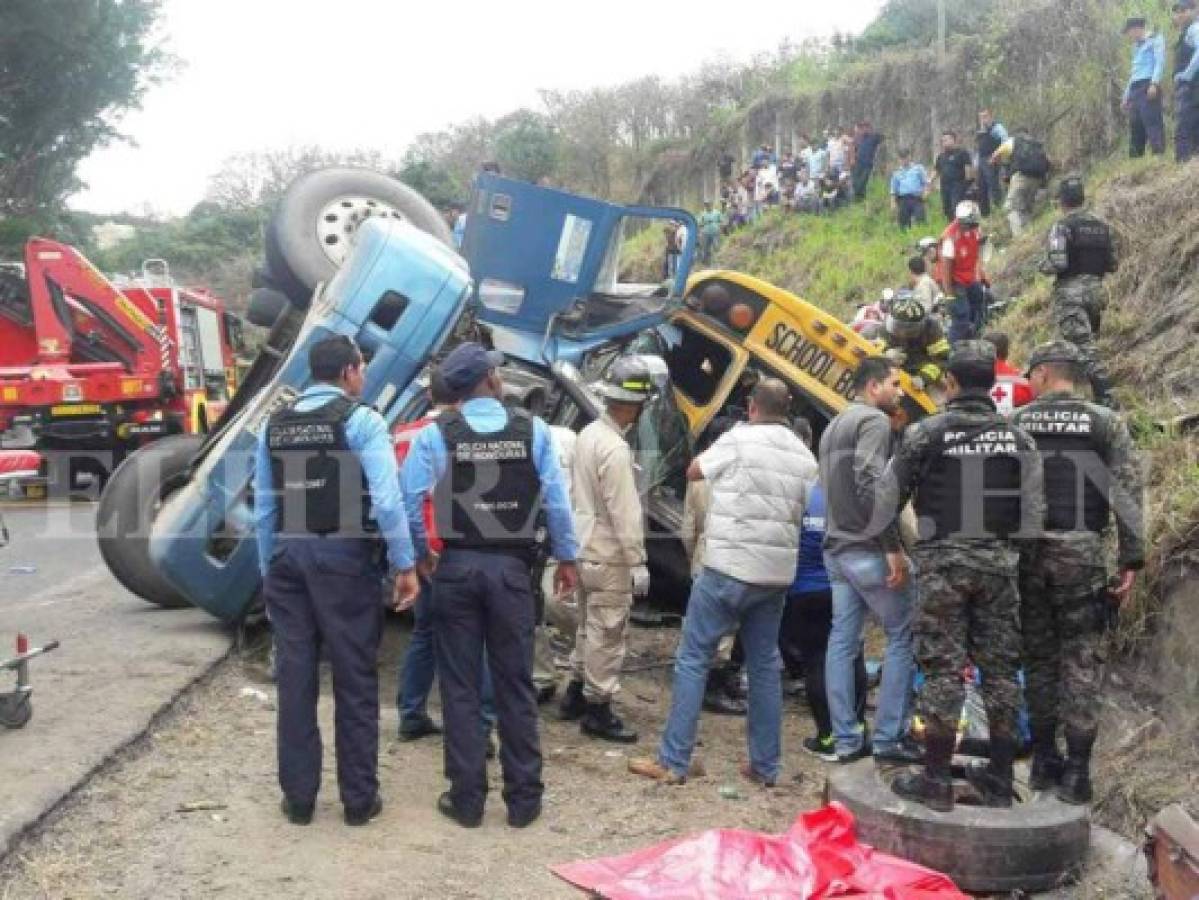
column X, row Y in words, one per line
column 998, row 394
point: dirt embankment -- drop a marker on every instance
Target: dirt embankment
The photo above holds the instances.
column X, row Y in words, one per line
column 1150, row 752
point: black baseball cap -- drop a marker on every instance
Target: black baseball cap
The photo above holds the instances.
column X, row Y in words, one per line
column 1134, row 22
column 1183, row 5
column 467, row 365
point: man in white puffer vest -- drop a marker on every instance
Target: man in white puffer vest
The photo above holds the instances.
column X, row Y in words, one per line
column 760, row 474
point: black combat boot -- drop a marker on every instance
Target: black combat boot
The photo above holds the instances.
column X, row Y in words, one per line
column 1047, row 762
column 573, row 706
column 993, row 779
column 1075, row 785
column 934, row 786
column 599, row 721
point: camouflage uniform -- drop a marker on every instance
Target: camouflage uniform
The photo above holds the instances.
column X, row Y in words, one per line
column 1080, row 253
column 969, row 605
column 1087, row 454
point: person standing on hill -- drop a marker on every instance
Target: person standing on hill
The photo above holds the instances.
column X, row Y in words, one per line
column 1081, row 253
column 1029, row 169
column 1143, row 95
column 710, row 224
column 1090, row 470
column 990, row 135
column 962, row 273
column 1186, row 91
column 909, row 187
column 866, row 145
column 953, row 171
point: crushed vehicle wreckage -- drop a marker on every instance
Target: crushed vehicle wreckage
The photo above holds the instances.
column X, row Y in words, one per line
column 540, row 278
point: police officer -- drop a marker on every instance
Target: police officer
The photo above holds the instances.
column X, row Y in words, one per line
column 913, row 339
column 323, row 462
column 491, row 471
column 975, row 482
column 1090, row 468
column 1081, row 253
column 612, row 550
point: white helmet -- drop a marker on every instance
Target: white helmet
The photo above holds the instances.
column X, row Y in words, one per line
column 967, row 212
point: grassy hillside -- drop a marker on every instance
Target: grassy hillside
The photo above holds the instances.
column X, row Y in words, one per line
column 1150, row 751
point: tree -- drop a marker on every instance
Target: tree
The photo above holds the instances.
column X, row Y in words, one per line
column 248, row 181
column 432, row 181
column 68, row 70
column 526, row 146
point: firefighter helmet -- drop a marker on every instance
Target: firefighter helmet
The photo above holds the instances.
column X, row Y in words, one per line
column 906, row 316
column 628, row 380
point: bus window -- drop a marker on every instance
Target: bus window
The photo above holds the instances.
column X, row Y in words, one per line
column 697, row 363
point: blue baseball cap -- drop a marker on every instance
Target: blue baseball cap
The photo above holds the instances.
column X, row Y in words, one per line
column 467, row 365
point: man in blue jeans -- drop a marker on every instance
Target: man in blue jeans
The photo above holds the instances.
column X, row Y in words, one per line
column 760, row 473
column 867, row 567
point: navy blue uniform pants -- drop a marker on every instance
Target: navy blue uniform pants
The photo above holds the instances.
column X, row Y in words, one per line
column 1186, row 131
column 484, row 599
column 1145, row 122
column 327, row 593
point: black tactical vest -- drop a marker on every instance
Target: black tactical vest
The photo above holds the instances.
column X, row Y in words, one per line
column 318, row 480
column 490, row 496
column 1088, row 245
column 970, row 461
column 1182, row 53
column 1069, row 435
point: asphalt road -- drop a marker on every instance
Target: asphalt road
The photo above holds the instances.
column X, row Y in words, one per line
column 121, row 660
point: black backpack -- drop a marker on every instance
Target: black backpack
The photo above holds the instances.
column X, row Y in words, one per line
column 1028, row 158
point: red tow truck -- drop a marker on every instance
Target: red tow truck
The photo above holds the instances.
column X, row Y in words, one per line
column 90, row 371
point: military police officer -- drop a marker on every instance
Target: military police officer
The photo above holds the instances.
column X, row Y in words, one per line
column 612, row 550
column 1081, row 253
column 492, row 471
column 1090, row 469
column 975, row 484
column 325, row 489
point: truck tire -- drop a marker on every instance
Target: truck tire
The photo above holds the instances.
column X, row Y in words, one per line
column 265, row 306
column 127, row 508
column 312, row 229
column 1035, row 845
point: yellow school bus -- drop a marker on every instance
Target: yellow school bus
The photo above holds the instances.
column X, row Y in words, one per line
column 735, row 328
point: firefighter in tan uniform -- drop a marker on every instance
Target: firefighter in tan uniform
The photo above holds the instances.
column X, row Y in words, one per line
column 612, row 556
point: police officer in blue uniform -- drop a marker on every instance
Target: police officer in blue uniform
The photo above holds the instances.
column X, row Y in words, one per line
column 493, row 472
column 326, row 489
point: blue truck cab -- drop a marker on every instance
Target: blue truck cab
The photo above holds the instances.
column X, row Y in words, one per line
column 398, row 296
column 549, row 275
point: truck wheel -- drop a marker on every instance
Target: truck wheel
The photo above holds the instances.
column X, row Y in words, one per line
column 130, row 501
column 313, row 227
column 1036, row 844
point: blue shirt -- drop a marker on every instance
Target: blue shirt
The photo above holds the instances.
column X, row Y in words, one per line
column 810, row 574
column 1192, row 40
column 1148, row 61
column 909, row 181
column 428, row 459
column 368, row 439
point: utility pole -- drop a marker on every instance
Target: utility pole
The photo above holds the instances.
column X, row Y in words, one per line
column 941, row 32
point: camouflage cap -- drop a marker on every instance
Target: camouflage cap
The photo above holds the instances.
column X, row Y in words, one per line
column 1051, row 352
column 972, row 355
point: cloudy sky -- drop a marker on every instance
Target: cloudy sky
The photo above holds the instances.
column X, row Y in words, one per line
column 258, row 74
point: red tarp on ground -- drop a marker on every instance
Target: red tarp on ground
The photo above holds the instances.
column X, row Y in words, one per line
column 24, row 462
column 818, row 858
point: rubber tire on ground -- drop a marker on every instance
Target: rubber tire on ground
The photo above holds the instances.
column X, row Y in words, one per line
column 1035, row 845
column 126, row 512
column 265, row 306
column 294, row 254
